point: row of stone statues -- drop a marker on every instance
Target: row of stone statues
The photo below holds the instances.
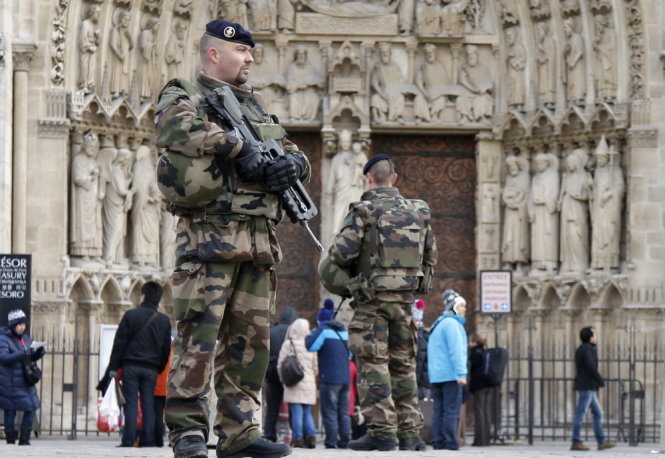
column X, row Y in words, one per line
column 429, row 95
column 114, row 200
column 573, row 222
column 119, row 71
column 423, row 17
column 569, row 63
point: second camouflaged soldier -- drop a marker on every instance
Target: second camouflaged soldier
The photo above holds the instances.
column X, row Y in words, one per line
column 387, row 246
column 224, row 281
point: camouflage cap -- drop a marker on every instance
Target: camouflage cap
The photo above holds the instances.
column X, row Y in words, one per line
column 229, row 31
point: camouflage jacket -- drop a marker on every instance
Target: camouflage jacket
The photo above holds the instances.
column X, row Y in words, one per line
column 388, row 241
column 240, row 225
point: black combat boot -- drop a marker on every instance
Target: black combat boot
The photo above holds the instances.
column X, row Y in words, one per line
column 24, row 436
column 190, row 447
column 260, row 448
column 10, row 436
column 367, row 442
column 412, row 443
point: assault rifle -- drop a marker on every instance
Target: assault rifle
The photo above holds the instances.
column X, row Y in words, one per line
column 295, row 200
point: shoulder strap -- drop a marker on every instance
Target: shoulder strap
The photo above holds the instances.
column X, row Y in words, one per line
column 145, row 325
column 293, row 348
column 340, row 338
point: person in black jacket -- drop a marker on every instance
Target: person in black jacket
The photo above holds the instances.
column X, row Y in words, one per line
column 480, row 392
column 141, row 349
column 587, row 382
column 274, row 387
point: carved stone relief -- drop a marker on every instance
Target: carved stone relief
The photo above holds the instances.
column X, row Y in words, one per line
column 433, row 81
column 148, row 48
column 270, row 83
column 543, row 213
column 547, row 66
column 515, row 195
column 175, row 49
column 304, row 83
column 347, row 70
column 120, row 58
column 516, row 64
column 87, row 46
column 264, row 15
column 576, row 186
column 476, row 105
column 606, row 208
column 86, row 201
column 58, row 43
column 346, row 181
column 575, row 63
column 605, row 47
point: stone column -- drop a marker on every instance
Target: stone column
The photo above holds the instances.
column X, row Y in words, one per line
column 488, row 157
column 22, row 55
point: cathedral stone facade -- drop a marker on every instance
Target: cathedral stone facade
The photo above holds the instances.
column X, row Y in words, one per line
column 546, row 113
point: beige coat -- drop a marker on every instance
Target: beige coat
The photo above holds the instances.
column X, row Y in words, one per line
column 304, row 392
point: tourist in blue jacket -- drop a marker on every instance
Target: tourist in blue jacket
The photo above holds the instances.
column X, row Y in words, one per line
column 15, row 393
column 447, row 369
column 330, row 339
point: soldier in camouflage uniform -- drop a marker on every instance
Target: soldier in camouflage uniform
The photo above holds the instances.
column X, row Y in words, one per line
column 224, row 281
column 387, row 246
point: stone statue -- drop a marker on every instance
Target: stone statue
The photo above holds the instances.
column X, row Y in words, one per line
column 605, row 46
column 543, row 215
column 86, row 204
column 264, row 15
column 575, row 65
column 515, row 244
column 235, row 11
column 269, row 84
column 576, row 188
column 546, row 66
column 428, row 17
column 117, row 202
column 87, row 43
column 167, row 235
column 453, row 17
column 183, row 7
column 387, row 81
column 509, row 14
column 148, row 49
column 346, row 178
column 516, row 61
column 477, row 104
column 405, row 14
column 120, row 59
column 304, row 84
column 432, row 79
column 286, row 16
column 175, row 50
column 146, row 209
column 606, row 208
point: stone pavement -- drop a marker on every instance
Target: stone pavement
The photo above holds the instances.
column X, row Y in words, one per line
column 93, row 447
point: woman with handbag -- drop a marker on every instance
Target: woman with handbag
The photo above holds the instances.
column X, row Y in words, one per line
column 17, row 390
column 300, row 396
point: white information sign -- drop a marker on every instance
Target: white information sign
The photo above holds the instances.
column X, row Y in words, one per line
column 496, row 291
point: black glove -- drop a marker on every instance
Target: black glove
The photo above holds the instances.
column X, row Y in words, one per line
column 284, row 172
column 250, row 163
column 38, row 353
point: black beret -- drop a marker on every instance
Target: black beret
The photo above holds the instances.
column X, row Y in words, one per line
column 374, row 160
column 229, row 31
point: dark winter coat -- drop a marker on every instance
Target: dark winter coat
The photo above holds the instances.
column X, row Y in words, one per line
column 148, row 348
column 586, row 363
column 15, row 394
column 330, row 340
column 277, row 335
column 476, row 368
column 421, row 364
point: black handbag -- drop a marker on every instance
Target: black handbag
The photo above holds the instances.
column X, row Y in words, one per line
column 31, row 372
column 291, row 371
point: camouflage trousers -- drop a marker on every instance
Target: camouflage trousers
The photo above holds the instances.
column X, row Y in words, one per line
column 382, row 336
column 223, row 320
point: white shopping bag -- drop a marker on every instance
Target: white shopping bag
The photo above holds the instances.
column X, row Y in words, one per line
column 109, row 410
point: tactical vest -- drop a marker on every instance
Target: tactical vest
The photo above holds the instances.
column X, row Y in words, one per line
column 391, row 254
column 209, row 185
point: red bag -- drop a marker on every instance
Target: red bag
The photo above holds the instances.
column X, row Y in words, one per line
column 139, row 417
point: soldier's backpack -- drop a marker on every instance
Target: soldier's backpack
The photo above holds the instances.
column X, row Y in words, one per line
column 495, row 361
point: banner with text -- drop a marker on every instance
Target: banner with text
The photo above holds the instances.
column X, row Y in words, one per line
column 15, row 272
column 496, row 291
